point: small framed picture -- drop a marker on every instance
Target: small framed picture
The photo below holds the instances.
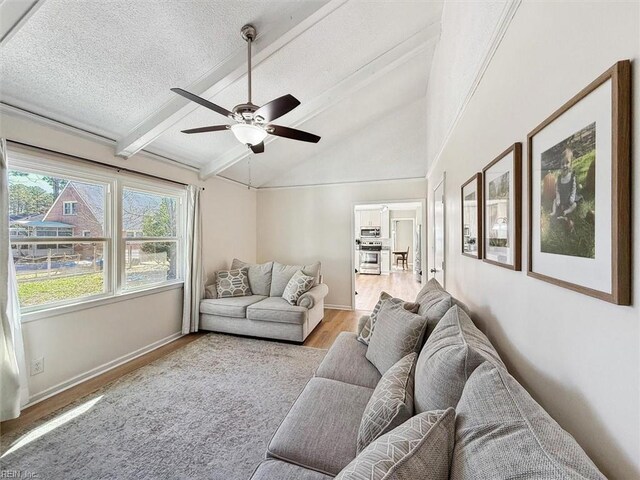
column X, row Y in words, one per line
column 579, row 191
column 471, row 198
column 502, row 199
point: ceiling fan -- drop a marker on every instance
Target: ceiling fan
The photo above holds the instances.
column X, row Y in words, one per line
column 252, row 122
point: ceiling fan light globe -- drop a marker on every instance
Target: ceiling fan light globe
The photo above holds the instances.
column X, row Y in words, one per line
column 248, row 134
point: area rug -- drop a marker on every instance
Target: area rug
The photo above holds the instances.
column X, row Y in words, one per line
column 207, row 410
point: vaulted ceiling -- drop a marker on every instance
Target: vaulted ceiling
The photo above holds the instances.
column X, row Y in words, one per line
column 360, row 69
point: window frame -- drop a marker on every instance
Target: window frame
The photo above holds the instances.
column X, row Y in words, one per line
column 152, row 188
column 51, row 164
column 74, row 208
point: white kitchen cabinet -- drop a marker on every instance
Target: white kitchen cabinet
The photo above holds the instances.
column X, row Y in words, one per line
column 370, row 218
column 385, row 261
column 357, row 223
column 384, row 224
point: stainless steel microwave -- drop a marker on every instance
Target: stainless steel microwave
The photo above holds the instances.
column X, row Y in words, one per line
column 370, row 232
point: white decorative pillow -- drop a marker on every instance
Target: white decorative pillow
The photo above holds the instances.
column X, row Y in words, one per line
column 233, row 283
column 419, row 448
column 391, row 403
column 299, row 284
column 364, row 336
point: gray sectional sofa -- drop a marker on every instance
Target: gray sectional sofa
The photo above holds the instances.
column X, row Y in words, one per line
column 500, row 432
column 265, row 313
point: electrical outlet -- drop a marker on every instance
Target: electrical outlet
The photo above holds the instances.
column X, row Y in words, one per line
column 37, row 366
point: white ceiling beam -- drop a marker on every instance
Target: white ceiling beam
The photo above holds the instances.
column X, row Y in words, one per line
column 223, row 75
column 388, row 61
column 13, row 15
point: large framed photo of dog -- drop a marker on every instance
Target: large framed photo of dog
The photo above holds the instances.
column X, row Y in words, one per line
column 579, row 191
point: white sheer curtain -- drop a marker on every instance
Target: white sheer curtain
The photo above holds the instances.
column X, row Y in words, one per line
column 14, row 391
column 193, row 284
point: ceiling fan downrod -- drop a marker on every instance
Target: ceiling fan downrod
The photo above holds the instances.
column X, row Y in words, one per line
column 249, row 34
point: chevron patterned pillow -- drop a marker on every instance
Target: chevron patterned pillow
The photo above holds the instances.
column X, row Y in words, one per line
column 391, row 403
column 419, row 448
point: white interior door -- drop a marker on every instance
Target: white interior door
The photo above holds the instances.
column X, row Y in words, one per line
column 437, row 268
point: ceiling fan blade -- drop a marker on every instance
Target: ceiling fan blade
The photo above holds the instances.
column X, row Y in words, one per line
column 259, row 148
column 203, row 102
column 292, row 133
column 276, row 108
column 212, row 128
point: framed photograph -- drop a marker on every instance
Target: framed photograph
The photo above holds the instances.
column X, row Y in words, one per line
column 502, row 187
column 579, row 191
column 471, row 201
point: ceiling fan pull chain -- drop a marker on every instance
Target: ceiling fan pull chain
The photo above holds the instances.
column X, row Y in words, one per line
column 249, row 165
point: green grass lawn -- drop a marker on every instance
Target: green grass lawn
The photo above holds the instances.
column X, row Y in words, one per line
column 56, row 289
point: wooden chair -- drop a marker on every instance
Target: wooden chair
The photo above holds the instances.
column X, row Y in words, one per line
column 402, row 257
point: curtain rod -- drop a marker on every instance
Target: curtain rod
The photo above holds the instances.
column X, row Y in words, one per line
column 95, row 162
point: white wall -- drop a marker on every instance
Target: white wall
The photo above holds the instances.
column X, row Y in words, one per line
column 76, row 344
column 578, row 356
column 307, row 224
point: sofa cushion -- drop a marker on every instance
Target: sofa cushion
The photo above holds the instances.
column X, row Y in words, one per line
column 229, row 307
column 452, row 352
column 232, row 283
column 419, row 448
column 321, row 429
column 259, row 275
column 346, row 361
column 299, row 284
column 434, row 302
column 364, row 334
column 398, row 332
column 278, row 470
column 277, row 309
column 391, row 403
column 283, row 273
column 502, row 432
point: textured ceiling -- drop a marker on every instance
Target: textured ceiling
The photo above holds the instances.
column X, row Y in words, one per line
column 107, row 67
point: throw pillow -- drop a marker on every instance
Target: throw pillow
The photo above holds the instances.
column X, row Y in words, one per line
column 259, row 276
column 299, row 284
column 283, row 273
column 233, row 283
column 502, row 432
column 420, row 446
column 364, row 336
column 452, row 352
column 391, row 403
column 398, row 332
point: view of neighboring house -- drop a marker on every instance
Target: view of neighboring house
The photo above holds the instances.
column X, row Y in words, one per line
column 78, row 211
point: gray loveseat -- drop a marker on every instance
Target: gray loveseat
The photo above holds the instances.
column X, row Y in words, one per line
column 500, row 431
column 265, row 313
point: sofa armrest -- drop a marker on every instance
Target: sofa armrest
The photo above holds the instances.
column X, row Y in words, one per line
column 210, row 291
column 313, row 296
column 363, row 319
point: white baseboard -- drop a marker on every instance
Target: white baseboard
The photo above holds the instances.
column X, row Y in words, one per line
column 338, row 307
column 94, row 372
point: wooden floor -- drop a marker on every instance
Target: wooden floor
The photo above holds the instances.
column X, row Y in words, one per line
column 334, row 322
column 399, row 283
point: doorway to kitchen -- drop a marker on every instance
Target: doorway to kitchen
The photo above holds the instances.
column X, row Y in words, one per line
column 389, row 246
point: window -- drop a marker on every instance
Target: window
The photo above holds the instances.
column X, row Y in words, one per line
column 70, row 208
column 48, row 200
column 152, row 219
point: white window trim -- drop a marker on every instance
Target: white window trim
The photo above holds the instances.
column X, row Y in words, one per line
column 39, row 162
